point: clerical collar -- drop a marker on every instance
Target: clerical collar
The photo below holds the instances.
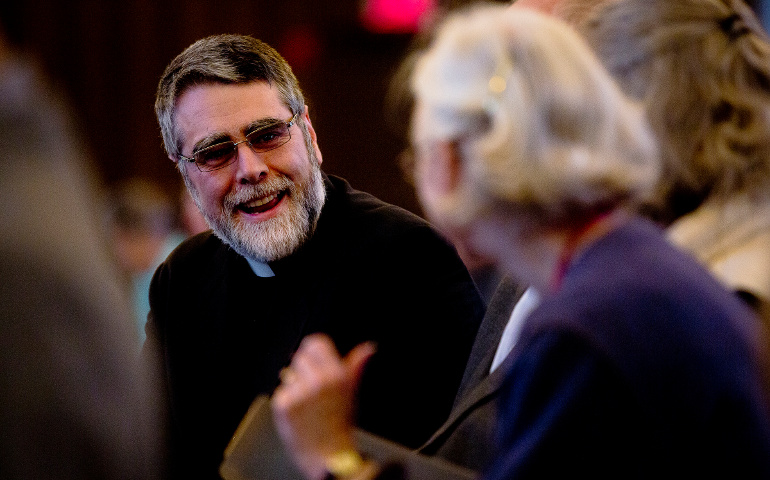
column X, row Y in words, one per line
column 260, row 269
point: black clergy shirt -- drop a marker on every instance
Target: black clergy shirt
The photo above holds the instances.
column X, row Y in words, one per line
column 371, row 271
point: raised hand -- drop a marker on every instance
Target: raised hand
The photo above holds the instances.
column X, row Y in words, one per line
column 314, row 406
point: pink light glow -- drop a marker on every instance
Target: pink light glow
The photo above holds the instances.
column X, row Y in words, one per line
column 395, row 16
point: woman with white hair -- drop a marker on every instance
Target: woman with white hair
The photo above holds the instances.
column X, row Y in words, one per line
column 636, row 362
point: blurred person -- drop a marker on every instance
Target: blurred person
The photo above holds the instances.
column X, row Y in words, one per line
column 485, row 274
column 636, row 362
column 292, row 252
column 73, row 404
column 465, row 437
column 702, row 70
column 143, row 232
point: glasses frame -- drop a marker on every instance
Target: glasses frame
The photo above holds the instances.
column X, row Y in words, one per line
column 288, row 125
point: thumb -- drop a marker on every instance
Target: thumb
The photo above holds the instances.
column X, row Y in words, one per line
column 356, row 360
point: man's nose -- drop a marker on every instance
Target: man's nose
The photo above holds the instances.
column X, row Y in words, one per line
column 251, row 165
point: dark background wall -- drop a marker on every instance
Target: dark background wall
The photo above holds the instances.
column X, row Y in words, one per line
column 107, row 57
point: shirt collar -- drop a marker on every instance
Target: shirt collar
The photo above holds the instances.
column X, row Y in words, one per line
column 260, row 269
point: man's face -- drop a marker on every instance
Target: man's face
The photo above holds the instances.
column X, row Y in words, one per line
column 264, row 204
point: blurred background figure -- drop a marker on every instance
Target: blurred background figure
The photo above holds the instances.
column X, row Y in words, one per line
column 702, row 70
column 144, row 229
column 73, row 403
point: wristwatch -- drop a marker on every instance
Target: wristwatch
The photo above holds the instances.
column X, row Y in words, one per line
column 349, row 465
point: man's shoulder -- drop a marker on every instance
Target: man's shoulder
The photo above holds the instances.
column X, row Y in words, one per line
column 361, row 211
column 198, row 251
column 201, row 263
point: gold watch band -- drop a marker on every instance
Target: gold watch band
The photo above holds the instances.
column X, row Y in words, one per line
column 350, row 465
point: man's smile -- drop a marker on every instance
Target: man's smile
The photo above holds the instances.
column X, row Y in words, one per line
column 262, row 204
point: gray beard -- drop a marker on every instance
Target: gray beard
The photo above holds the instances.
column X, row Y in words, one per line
column 277, row 237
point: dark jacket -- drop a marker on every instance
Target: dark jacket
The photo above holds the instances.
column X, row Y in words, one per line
column 466, row 437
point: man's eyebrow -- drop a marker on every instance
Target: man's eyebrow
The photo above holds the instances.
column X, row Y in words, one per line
column 215, row 138
column 261, row 123
column 210, row 140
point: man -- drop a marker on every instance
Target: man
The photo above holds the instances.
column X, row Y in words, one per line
column 292, row 252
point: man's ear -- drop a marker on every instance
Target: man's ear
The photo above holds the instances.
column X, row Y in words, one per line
column 313, row 136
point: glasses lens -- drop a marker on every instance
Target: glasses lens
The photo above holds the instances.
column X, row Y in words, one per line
column 269, row 138
column 215, row 156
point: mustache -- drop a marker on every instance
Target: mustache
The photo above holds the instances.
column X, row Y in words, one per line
column 250, row 192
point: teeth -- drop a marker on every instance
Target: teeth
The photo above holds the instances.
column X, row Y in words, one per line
column 261, row 201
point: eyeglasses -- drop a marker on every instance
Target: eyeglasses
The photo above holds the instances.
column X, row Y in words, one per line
column 223, row 154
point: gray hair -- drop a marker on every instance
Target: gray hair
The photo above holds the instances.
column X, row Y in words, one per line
column 575, row 12
column 542, row 127
column 226, row 59
column 702, row 68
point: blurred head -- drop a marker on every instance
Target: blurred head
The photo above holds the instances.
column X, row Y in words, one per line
column 141, row 217
column 237, row 91
column 514, row 114
column 702, row 69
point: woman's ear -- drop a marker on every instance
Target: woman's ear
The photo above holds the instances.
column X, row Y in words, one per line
column 446, row 168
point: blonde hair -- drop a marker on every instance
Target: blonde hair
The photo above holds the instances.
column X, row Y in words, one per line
column 702, row 68
column 542, row 127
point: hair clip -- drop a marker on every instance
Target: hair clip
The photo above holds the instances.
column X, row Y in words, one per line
column 497, row 84
column 734, row 26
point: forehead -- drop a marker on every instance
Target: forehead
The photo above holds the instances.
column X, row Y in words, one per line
column 215, row 108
